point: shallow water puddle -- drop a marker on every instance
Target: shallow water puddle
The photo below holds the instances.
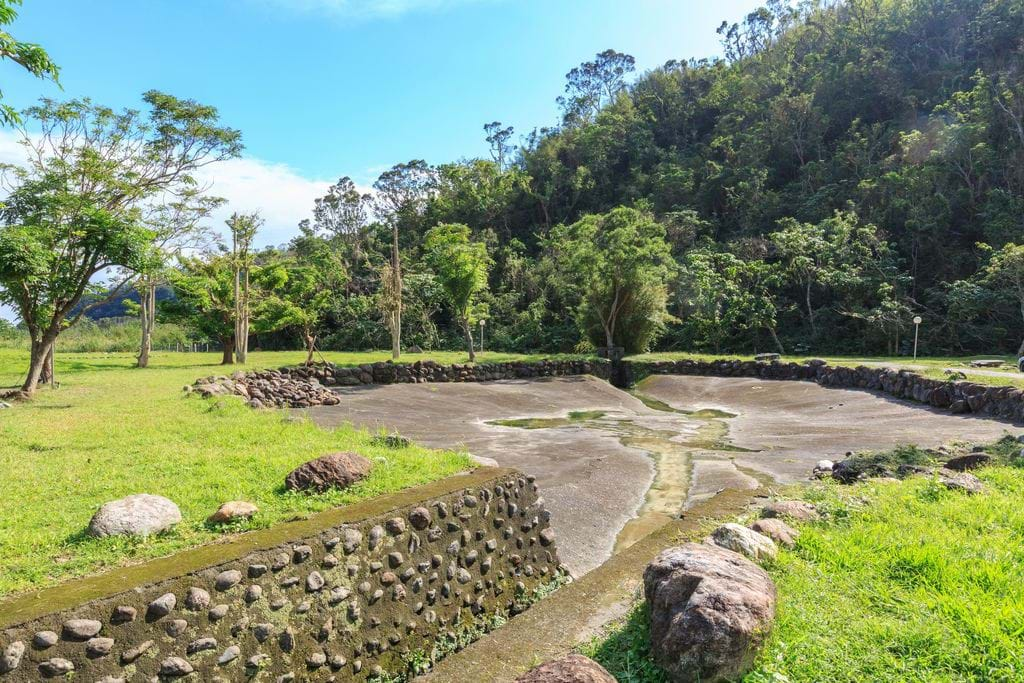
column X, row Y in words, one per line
column 672, row 450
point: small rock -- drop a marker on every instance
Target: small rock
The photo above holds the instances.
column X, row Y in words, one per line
column 162, row 606
column 314, row 582
column 129, row 656
column 52, row 668
column 176, row 627
column 777, row 530
column 231, row 511
column 970, row 461
column 228, row 579
column 197, row 599
column 569, row 669
column 960, row 481
column 81, row 629
column 316, row 660
column 123, row 614
column 420, row 518
column 745, row 541
column 44, row 639
column 200, row 645
column 229, row 655
column 797, row 509
column 99, row 647
column 12, row 654
column 175, row 667
column 137, row 515
column 336, row 470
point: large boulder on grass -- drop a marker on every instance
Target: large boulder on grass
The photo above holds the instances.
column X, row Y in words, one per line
column 141, row 514
column 711, row 610
column 569, row 669
column 333, row 471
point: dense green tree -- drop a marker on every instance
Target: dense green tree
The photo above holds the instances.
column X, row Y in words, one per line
column 618, row 263
column 460, row 266
column 305, row 294
column 75, row 210
column 1004, row 275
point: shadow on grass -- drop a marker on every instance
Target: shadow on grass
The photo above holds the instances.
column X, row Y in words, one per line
column 626, row 651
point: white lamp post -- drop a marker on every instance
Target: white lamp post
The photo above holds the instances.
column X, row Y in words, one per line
column 482, row 323
column 917, row 325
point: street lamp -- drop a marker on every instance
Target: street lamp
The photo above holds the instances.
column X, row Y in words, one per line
column 917, row 326
column 482, row 323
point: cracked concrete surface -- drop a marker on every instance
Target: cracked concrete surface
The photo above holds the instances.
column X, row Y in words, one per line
column 596, row 474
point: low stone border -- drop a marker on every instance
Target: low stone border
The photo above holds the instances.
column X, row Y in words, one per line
column 957, row 397
column 304, row 386
column 355, row 592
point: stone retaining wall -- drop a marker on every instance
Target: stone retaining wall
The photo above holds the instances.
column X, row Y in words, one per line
column 303, row 386
column 1004, row 402
column 349, row 594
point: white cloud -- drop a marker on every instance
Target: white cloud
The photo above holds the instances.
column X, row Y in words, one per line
column 280, row 194
column 369, row 9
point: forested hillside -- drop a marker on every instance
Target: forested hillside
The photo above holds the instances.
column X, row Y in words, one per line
column 846, row 167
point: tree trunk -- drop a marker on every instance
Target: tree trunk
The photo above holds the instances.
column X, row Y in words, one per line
column 228, row 345
column 147, row 316
column 40, row 355
column 242, row 319
column 310, row 348
column 49, row 376
column 810, row 311
column 469, row 339
column 396, row 273
column 775, row 338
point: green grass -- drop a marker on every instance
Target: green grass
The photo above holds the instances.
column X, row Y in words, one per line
column 901, row 582
column 111, row 430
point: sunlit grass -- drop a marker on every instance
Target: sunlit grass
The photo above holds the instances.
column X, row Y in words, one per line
column 900, row 582
column 110, row 430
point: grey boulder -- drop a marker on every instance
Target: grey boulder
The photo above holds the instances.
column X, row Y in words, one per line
column 141, row 514
column 711, row 610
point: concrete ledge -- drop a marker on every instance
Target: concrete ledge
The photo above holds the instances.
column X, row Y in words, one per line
column 352, row 592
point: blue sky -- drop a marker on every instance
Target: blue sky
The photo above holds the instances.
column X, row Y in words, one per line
column 325, row 88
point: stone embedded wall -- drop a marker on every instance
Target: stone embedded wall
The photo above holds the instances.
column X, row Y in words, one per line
column 350, row 594
column 1004, row 402
column 303, row 386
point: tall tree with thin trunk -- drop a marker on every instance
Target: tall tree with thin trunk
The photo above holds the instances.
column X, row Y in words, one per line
column 243, row 227
column 461, row 266
column 72, row 217
column 401, row 196
column 177, row 227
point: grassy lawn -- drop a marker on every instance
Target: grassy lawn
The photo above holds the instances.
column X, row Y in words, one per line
column 933, row 367
column 900, row 582
column 111, row 430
